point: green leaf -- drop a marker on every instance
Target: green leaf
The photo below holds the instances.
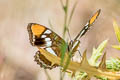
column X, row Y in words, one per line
column 80, row 75
column 113, row 64
column 117, row 30
column 101, row 78
column 116, row 47
column 97, row 53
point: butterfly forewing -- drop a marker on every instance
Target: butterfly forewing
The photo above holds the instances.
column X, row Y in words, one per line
column 88, row 25
column 75, row 44
column 94, row 17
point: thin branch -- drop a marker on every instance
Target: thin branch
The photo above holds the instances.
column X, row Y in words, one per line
column 72, row 12
column 51, row 26
column 62, row 4
column 48, row 76
column 65, row 18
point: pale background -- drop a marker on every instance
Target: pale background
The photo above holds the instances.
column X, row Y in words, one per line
column 16, row 53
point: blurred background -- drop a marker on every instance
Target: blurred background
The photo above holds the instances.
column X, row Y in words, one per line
column 16, row 52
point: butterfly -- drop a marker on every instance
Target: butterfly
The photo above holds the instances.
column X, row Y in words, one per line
column 44, row 38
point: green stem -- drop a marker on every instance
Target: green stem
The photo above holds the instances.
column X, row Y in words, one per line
column 65, row 18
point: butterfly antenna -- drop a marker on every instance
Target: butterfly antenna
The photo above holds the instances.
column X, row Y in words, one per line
column 88, row 24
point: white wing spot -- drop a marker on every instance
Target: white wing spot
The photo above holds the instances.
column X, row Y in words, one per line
column 43, row 36
column 47, row 32
column 47, row 39
column 49, row 43
column 33, row 37
column 43, row 47
column 51, row 51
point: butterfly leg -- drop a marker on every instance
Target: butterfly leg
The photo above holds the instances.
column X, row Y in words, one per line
column 79, row 53
column 69, row 34
column 76, row 47
column 70, row 45
column 78, row 50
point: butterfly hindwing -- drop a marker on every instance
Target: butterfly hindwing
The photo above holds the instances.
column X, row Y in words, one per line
column 43, row 62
